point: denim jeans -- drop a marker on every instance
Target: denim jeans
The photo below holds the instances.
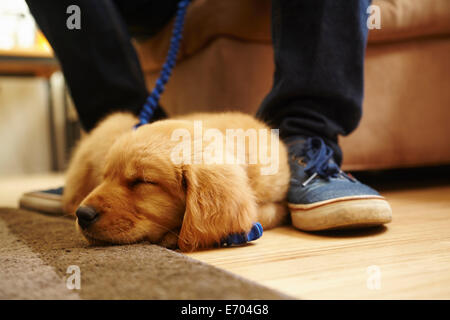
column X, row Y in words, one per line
column 319, row 48
column 99, row 62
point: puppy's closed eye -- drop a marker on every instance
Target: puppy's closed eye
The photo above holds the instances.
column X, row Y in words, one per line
column 139, row 181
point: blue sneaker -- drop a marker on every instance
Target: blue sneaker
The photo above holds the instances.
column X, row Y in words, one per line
column 321, row 196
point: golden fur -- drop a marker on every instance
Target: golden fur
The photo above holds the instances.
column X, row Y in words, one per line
column 128, row 177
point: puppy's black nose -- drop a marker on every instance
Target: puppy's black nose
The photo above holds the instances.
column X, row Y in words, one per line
column 86, row 216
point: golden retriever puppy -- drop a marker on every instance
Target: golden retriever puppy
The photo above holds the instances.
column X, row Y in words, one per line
column 177, row 182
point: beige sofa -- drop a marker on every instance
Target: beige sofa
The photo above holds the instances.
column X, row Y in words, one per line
column 226, row 63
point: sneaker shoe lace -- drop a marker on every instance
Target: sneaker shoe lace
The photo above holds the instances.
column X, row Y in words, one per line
column 318, row 157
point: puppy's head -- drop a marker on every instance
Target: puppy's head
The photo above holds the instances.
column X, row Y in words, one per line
column 145, row 196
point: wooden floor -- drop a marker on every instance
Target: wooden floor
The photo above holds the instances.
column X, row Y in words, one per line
column 407, row 259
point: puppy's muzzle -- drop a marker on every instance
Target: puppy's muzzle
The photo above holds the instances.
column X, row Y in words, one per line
column 86, row 216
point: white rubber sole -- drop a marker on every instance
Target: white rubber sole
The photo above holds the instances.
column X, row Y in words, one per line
column 341, row 213
column 37, row 201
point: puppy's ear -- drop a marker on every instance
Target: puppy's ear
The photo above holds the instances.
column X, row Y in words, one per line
column 219, row 202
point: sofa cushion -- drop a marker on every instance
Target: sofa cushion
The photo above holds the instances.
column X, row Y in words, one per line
column 249, row 20
column 207, row 20
column 405, row 121
column 407, row 19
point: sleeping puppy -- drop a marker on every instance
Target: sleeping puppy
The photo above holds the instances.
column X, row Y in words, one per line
column 166, row 184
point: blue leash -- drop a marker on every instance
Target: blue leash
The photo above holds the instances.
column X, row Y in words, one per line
column 150, row 105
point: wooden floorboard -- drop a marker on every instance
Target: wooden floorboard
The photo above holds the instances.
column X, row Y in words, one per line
column 407, row 259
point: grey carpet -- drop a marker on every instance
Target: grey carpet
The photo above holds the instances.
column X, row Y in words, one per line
column 36, row 251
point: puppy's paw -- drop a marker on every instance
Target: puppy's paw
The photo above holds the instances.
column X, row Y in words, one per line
column 169, row 240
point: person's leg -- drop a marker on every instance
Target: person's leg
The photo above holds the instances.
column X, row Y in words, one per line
column 99, row 62
column 317, row 93
column 319, row 50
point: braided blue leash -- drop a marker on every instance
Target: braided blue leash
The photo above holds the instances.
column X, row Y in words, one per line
column 151, row 104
